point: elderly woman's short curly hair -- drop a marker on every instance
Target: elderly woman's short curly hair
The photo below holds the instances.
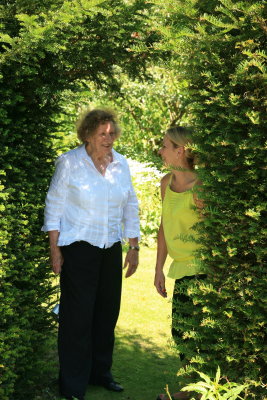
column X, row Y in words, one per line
column 91, row 120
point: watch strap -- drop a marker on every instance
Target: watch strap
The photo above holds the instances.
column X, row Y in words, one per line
column 134, row 248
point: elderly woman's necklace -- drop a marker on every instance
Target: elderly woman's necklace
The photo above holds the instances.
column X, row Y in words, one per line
column 101, row 163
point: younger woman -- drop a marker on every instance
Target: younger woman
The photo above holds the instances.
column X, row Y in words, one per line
column 180, row 211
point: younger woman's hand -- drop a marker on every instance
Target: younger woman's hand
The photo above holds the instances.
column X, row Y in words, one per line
column 159, row 282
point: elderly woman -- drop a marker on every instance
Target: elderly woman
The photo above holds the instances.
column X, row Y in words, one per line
column 90, row 199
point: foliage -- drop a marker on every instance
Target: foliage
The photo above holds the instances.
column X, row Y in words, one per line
column 213, row 389
column 59, row 50
column 145, row 109
column 45, row 48
column 219, row 49
column 146, row 180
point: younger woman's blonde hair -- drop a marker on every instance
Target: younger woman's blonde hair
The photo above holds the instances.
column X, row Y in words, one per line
column 181, row 136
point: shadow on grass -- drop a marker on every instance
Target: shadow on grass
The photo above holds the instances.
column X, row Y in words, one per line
column 142, row 368
column 139, row 365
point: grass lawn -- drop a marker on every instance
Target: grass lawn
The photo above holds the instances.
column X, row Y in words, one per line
column 144, row 361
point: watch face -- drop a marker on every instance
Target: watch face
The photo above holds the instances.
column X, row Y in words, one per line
column 134, row 248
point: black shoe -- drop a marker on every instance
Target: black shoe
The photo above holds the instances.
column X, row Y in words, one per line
column 113, row 386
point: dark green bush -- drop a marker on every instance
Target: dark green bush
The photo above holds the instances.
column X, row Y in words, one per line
column 219, row 49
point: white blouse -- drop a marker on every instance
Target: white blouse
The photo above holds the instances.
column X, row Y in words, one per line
column 82, row 204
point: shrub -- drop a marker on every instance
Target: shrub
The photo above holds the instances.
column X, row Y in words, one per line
column 146, row 181
column 211, row 389
column 219, row 49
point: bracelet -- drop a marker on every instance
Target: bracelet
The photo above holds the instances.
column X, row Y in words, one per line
column 134, row 248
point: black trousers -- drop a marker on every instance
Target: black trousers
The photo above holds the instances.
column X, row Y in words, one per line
column 89, row 308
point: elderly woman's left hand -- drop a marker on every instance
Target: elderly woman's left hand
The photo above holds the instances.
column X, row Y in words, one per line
column 131, row 261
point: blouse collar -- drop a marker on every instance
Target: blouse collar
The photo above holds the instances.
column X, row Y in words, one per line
column 86, row 157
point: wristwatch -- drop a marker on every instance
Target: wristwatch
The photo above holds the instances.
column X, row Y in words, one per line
column 134, row 248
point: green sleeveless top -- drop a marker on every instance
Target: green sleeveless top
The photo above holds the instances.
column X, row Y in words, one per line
column 178, row 216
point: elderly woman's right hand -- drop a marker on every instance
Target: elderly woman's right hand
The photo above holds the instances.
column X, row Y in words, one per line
column 56, row 259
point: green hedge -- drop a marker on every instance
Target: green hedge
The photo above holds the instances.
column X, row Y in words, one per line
column 219, row 48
